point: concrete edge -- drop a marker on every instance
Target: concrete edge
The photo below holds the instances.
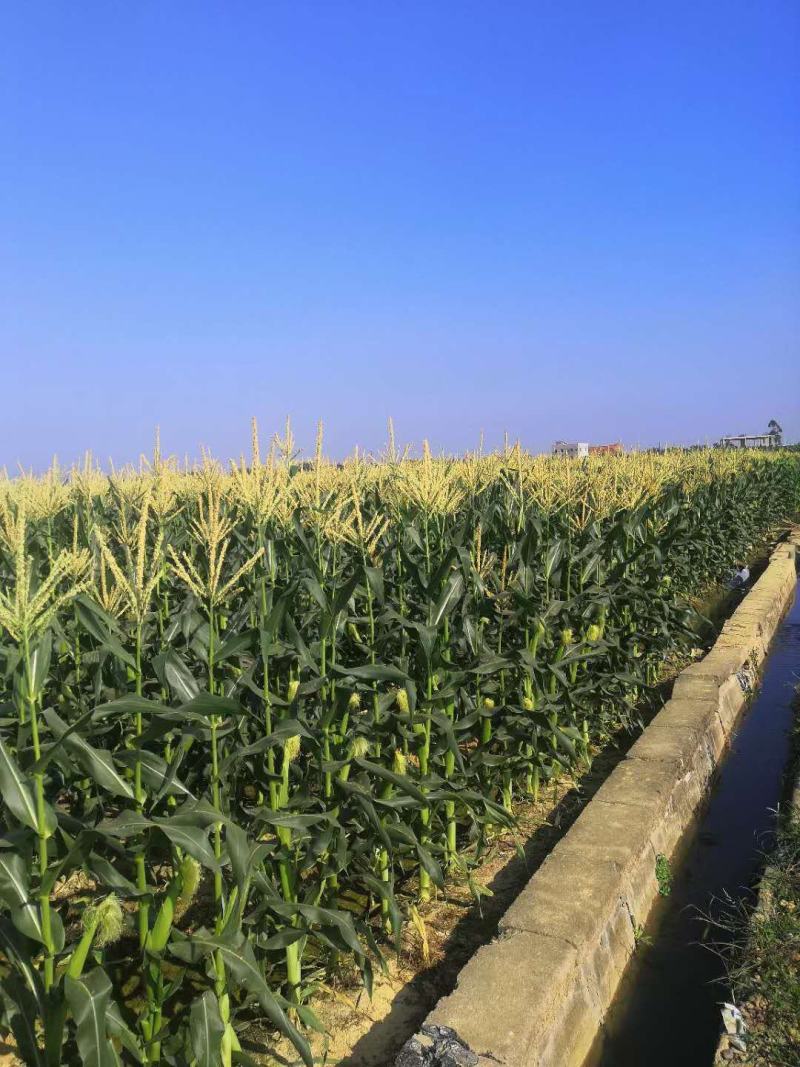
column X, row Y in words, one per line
column 537, row 995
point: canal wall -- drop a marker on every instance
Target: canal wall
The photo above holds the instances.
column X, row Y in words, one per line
column 536, row 996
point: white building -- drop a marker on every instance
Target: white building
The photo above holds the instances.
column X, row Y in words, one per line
column 571, row 449
column 772, row 439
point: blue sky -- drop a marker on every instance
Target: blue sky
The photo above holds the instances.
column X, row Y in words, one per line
column 564, row 219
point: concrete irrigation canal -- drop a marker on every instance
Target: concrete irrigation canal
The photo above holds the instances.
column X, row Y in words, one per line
column 593, row 965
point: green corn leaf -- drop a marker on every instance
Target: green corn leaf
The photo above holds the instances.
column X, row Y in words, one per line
column 209, row 704
column 491, row 665
column 553, row 558
column 559, row 673
column 27, row 919
column 56, row 929
column 95, row 762
column 87, row 607
column 384, row 890
column 129, row 705
column 193, row 839
column 344, row 595
column 243, row 854
column 17, row 950
column 171, row 784
column 109, row 876
column 318, row 593
column 14, row 892
column 274, row 620
column 340, row 920
column 52, row 750
column 430, row 865
column 290, row 821
column 447, row 601
column 173, row 673
column 240, row 961
column 155, row 771
column 306, row 659
column 400, row 781
column 375, row 579
column 197, row 813
column 206, row 1029
column 284, row 937
column 363, row 799
column 89, row 998
column 241, row 1059
column 13, row 879
column 309, row 1019
column 426, row 635
column 565, row 743
column 282, row 732
column 16, row 792
column 120, row 1031
column 373, row 672
column 589, row 567
column 124, row 825
column 40, row 661
column 236, row 644
column 102, row 627
column 442, row 574
column 21, row 1012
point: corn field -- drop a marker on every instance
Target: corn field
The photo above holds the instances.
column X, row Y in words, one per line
column 251, row 716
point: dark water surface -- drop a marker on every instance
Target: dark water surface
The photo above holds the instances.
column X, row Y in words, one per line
column 667, row 1009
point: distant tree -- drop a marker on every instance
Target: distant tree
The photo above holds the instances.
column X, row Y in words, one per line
column 774, row 427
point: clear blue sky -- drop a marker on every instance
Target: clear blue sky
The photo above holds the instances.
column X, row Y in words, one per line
column 567, row 219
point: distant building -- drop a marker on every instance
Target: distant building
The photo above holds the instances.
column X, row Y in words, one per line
column 773, row 438
column 571, row 449
column 751, row 440
column 580, row 449
column 606, row 450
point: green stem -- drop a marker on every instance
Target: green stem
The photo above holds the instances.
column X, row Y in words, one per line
column 425, row 814
column 219, row 964
column 449, row 764
column 293, row 957
column 138, row 792
column 41, row 819
column 264, row 639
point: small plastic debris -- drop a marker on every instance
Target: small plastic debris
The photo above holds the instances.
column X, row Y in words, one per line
column 436, row 1046
column 732, row 1020
column 745, row 678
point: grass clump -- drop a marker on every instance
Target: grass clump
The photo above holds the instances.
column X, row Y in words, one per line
column 663, row 875
column 766, row 975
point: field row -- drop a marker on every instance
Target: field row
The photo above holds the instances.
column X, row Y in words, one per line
column 251, row 716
